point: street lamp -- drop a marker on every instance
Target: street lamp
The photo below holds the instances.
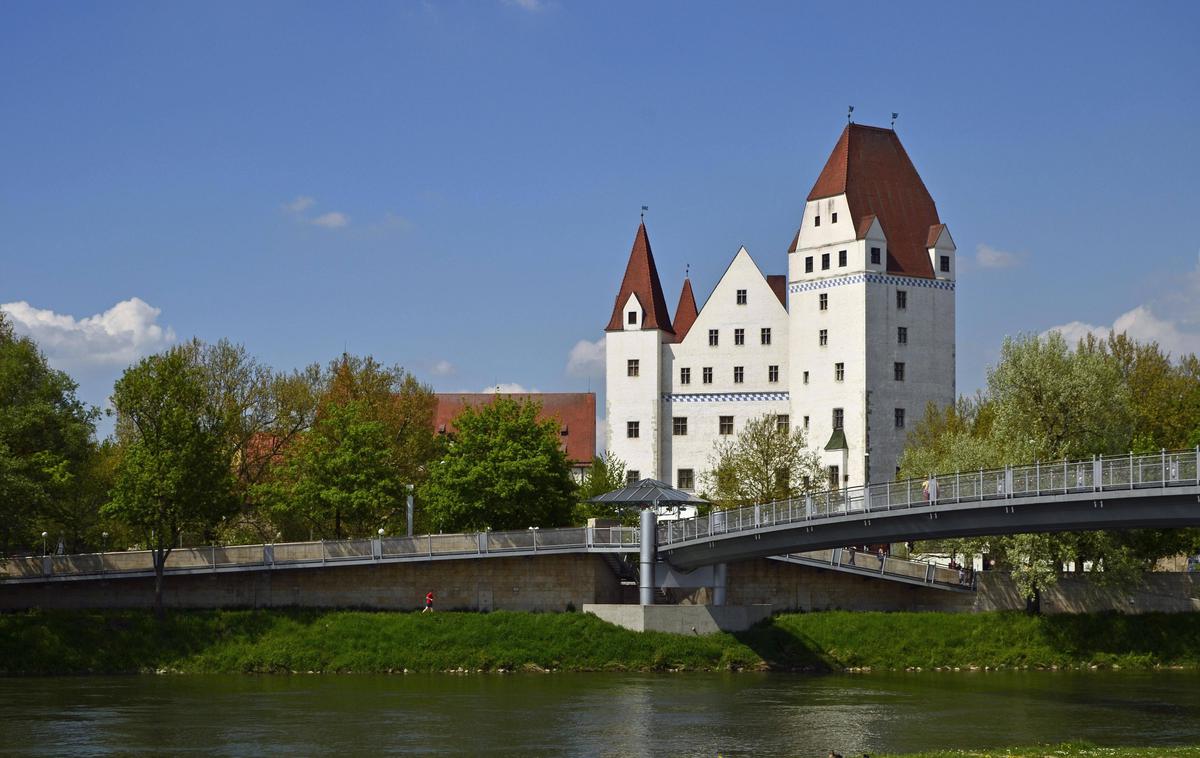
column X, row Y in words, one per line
column 104, row 542
column 381, row 532
column 44, row 542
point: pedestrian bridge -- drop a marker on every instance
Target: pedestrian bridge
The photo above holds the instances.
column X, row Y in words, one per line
column 1161, row 490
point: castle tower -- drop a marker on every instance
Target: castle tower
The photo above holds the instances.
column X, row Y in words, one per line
column 871, row 280
column 639, row 327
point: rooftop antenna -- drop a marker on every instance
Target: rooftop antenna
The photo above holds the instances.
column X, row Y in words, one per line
column 894, row 117
column 850, row 115
column 644, row 209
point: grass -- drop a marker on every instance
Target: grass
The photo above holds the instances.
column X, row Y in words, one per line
column 284, row 641
column 1065, row 750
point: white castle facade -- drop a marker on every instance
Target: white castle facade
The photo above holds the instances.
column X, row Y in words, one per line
column 851, row 345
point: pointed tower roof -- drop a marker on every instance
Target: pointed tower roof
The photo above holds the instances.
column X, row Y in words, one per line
column 686, row 312
column 641, row 279
column 870, row 167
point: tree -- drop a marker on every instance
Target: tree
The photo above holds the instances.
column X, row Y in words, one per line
column 765, row 462
column 503, row 469
column 607, row 473
column 174, row 472
column 46, row 442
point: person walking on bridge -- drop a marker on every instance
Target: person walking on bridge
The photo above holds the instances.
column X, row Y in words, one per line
column 428, row 603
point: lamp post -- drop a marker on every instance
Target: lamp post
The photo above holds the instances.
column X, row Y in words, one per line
column 44, row 542
column 104, row 542
column 408, row 507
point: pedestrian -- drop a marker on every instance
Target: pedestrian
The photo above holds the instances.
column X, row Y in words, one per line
column 853, row 549
column 428, row 602
column 881, row 557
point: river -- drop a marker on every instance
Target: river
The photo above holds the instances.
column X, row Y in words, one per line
column 593, row 714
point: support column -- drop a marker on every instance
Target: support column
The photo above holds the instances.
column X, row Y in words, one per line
column 720, row 572
column 649, row 539
column 408, row 510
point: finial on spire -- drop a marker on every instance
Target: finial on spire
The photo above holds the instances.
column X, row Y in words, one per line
column 644, row 209
column 850, row 115
column 687, row 270
column 894, row 117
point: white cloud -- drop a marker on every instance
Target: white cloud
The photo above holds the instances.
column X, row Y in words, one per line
column 442, row 368
column 989, row 257
column 331, row 220
column 121, row 335
column 300, row 204
column 505, row 388
column 527, row 5
column 586, row 359
column 1141, row 324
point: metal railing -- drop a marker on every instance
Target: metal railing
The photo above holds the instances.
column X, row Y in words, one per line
column 1098, row 474
column 296, row 554
column 890, row 567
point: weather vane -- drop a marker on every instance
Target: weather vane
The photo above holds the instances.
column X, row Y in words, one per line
column 894, row 117
column 644, row 209
column 850, row 115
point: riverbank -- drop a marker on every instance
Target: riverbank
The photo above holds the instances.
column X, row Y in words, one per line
column 1066, row 750
column 303, row 641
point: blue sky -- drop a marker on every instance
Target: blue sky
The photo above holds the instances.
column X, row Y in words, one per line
column 454, row 187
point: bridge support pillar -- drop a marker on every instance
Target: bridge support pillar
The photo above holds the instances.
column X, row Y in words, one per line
column 649, row 530
column 720, row 572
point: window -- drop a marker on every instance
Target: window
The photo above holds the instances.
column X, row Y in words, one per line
column 632, row 368
column 806, row 422
column 739, row 373
column 632, row 429
column 713, row 337
column 739, row 336
column 633, row 476
column 839, row 417
column 839, row 372
column 817, row 221
column 706, row 374
column 772, row 373
column 823, row 337
column 633, row 317
column 808, row 264
column 726, row 425
column 824, row 261
column 684, row 479
column 806, row 377
column 679, row 426
column 898, row 371
column 823, row 302
column 899, row 418
column 901, row 300
column 902, row 335
column 944, row 263
column 833, row 218
column 875, row 256
column 783, row 423
column 741, row 297
column 765, row 335
column 841, row 257
column 685, row 376
column 833, row 477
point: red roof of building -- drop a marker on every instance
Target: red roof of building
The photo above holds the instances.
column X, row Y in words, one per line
column 575, row 411
column 641, row 279
column 870, row 167
column 685, row 312
column 778, row 285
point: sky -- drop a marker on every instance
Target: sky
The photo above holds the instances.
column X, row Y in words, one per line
column 454, row 187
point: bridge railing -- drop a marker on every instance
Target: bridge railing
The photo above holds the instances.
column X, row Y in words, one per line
column 1097, row 474
column 286, row 554
column 865, row 562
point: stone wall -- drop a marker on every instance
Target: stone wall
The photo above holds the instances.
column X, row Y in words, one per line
column 542, row 583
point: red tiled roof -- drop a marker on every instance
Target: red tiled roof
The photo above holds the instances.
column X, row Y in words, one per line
column 870, row 167
column 935, row 231
column 685, row 312
column 641, row 279
column 575, row 411
column 778, row 284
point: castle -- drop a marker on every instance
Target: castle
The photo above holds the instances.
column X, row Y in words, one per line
column 851, row 344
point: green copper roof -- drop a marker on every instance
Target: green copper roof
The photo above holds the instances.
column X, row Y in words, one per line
column 837, row 441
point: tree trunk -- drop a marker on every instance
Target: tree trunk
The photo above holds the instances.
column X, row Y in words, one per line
column 160, row 561
column 1033, row 603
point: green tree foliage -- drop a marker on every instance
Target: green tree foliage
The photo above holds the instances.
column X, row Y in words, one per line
column 347, row 474
column 607, row 473
column 763, row 463
column 503, row 469
column 174, row 471
column 1046, row 401
column 46, row 443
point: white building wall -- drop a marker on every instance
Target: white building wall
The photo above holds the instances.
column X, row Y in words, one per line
column 633, row 398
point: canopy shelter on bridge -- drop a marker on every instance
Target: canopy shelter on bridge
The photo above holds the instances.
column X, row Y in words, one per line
column 649, row 495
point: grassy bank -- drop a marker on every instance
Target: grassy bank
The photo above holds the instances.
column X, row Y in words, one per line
column 351, row 641
column 1067, row 750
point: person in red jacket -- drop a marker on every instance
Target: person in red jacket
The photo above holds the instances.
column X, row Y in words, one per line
column 428, row 603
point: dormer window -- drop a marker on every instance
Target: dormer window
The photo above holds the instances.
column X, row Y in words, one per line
column 633, row 317
column 874, row 256
column 741, row 297
column 945, row 264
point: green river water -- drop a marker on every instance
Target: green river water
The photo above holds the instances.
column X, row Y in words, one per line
column 593, row 714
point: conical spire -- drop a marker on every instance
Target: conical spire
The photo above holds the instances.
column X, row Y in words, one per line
column 641, row 279
column 686, row 311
